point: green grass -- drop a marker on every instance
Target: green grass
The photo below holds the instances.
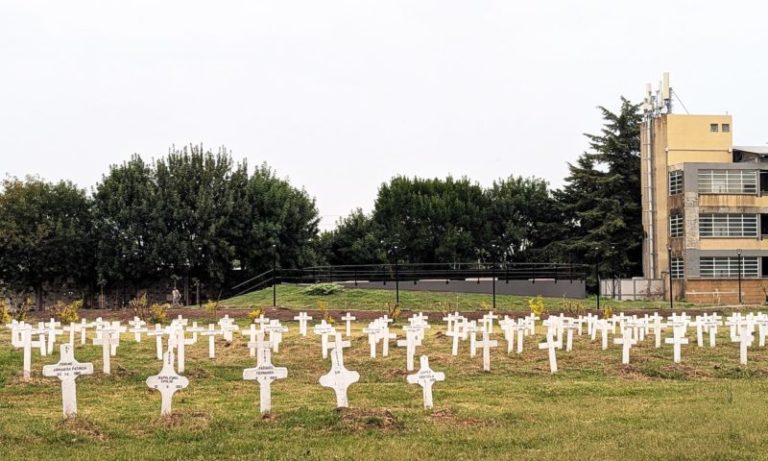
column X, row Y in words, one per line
column 708, row 407
column 293, row 296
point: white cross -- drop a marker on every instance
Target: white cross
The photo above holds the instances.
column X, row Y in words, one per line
column 551, row 345
column 745, row 337
column 425, row 377
column 137, row 328
column 275, row 330
column 324, row 329
column 28, row 344
column 251, row 332
column 487, row 321
column 73, row 328
column 626, row 341
column 167, row 382
column 677, row 340
column 456, row 334
column 261, row 320
column 339, row 378
column 386, row 337
column 348, row 318
column 471, row 329
column 158, row 333
column 107, row 341
column 410, row 344
column 228, row 327
column 487, row 344
column 211, row 333
column 67, row 370
column 195, row 330
column 264, row 373
column 302, row 318
column 373, row 330
column 181, row 342
column 52, row 330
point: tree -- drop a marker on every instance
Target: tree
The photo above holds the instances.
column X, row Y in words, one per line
column 432, row 220
column 354, row 241
column 45, row 236
column 127, row 224
column 524, row 218
column 278, row 222
column 601, row 197
column 195, row 205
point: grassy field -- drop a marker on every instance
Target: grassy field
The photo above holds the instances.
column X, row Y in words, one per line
column 708, row 407
column 293, row 296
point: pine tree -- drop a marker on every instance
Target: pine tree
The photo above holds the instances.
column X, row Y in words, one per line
column 601, row 197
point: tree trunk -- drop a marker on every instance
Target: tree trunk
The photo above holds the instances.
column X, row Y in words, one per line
column 39, row 298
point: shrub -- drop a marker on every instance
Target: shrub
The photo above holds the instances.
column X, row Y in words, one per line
column 212, row 307
column 68, row 313
column 21, row 313
column 537, row 306
column 574, row 308
column 607, row 312
column 255, row 313
column 485, row 306
column 158, row 313
column 323, row 289
column 323, row 307
column 140, row 306
column 5, row 315
column 393, row 311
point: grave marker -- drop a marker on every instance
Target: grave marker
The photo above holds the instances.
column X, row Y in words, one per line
column 425, row 377
column 339, row 378
column 167, row 382
column 67, row 370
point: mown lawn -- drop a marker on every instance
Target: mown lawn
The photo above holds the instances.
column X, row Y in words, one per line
column 708, row 407
column 294, row 296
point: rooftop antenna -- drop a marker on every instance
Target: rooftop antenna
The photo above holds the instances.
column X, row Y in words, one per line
column 665, row 92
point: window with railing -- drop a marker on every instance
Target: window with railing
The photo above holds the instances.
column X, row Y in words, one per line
column 727, row 225
column 677, row 268
column 676, row 225
column 728, row 267
column 675, row 182
column 727, row 181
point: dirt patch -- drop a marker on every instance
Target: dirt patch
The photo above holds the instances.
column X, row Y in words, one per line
column 447, row 416
column 395, row 373
column 359, row 420
column 81, row 427
column 198, row 373
column 196, row 421
column 631, row 372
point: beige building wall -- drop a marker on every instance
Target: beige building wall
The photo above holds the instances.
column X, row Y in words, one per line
column 674, row 139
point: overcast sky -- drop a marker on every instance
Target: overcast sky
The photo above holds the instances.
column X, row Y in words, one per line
column 339, row 96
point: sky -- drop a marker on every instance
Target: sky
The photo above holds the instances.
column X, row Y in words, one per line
column 340, row 96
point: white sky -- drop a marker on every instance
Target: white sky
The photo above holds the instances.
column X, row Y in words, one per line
column 339, row 96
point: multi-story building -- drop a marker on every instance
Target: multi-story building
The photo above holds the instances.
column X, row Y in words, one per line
column 705, row 206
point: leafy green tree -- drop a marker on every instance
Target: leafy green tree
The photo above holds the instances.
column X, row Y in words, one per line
column 432, row 220
column 601, row 198
column 524, row 218
column 354, row 241
column 127, row 224
column 277, row 223
column 45, row 236
column 195, row 204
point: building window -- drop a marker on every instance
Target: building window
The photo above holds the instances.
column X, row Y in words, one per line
column 678, row 268
column 726, row 127
column 713, row 127
column 675, row 182
column 727, row 181
column 728, row 266
column 727, row 225
column 676, row 225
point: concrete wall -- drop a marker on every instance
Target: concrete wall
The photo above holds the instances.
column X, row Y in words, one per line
column 547, row 288
column 632, row 289
column 719, row 291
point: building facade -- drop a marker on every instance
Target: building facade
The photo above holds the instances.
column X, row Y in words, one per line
column 705, row 206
